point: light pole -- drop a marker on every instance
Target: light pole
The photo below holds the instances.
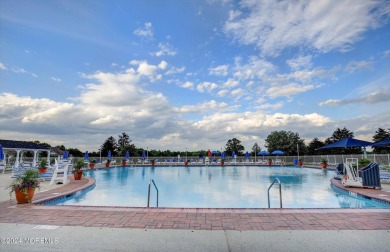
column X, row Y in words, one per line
column 186, row 155
column 100, row 150
column 147, row 153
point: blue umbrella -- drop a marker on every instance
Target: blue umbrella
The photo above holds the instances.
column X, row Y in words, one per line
column 86, row 156
column 1, row 153
column 201, row 155
column 233, row 154
column 223, row 155
column 247, row 154
column 214, row 152
column 66, row 155
column 109, row 154
column 263, row 153
column 277, row 152
column 143, row 154
column 383, row 143
column 127, row 155
column 347, row 143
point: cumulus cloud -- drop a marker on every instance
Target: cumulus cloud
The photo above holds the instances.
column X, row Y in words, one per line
column 219, row 70
column 164, row 49
column 148, row 70
column 300, row 62
column 145, row 32
column 175, row 70
column 206, row 87
column 376, row 97
column 188, row 85
column 288, row 90
column 206, row 107
column 329, row 25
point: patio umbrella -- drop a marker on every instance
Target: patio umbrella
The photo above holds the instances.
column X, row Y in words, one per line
column 143, row 154
column 66, row 155
column 209, row 153
column 263, row 153
column 86, row 156
column 233, row 154
column 277, row 152
column 127, row 155
column 383, row 143
column 247, row 154
column 109, row 155
column 1, row 153
column 214, row 152
column 223, row 155
column 201, row 155
column 348, row 143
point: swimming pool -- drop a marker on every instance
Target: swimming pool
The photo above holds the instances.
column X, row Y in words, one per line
column 216, row 187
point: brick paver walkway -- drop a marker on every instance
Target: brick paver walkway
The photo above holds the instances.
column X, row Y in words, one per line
column 190, row 218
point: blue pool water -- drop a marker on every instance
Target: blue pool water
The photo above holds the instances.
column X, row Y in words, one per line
column 217, row 187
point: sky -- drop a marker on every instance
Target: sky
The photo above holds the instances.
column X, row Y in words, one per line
column 192, row 74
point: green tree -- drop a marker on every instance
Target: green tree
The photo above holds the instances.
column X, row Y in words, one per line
column 380, row 135
column 234, row 145
column 255, row 149
column 314, row 145
column 285, row 141
column 110, row 144
column 75, row 152
column 124, row 145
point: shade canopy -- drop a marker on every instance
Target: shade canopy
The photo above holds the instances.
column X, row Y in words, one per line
column 383, row 143
column 346, row 143
column 247, row 154
column 263, row 153
column 277, row 152
column 1, row 153
column 86, row 155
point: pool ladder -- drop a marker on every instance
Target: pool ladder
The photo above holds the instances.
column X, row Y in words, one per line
column 150, row 182
column 280, row 192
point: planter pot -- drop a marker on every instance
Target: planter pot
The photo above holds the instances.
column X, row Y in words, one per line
column 324, row 166
column 24, row 198
column 300, row 163
column 152, row 163
column 123, row 163
column 107, row 164
column 77, row 175
column 42, row 170
column 186, row 163
column 269, row 163
column 91, row 166
column 222, row 163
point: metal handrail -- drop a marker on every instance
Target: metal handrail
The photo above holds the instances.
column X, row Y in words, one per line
column 149, row 191
column 280, row 192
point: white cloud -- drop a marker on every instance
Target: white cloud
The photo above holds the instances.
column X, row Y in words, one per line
column 55, row 79
column 164, row 49
column 329, row 25
column 300, row 62
column 237, row 92
column 206, row 87
column 175, row 70
column 219, row 70
column 288, row 90
column 353, row 66
column 188, row 85
column 206, row 107
column 386, row 53
column 222, row 93
column 230, row 83
column 3, row 67
column 145, row 32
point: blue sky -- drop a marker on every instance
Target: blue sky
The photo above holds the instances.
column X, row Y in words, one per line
column 192, row 74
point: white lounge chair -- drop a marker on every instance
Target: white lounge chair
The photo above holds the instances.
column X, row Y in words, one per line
column 2, row 166
column 60, row 174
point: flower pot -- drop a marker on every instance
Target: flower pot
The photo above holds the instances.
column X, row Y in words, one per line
column 24, row 198
column 77, row 175
column 269, row 162
column 42, row 170
column 123, row 163
column 222, row 163
column 152, row 163
column 324, row 165
column 186, row 163
column 91, row 165
column 300, row 163
column 107, row 164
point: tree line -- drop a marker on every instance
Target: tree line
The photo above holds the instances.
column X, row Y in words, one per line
column 288, row 142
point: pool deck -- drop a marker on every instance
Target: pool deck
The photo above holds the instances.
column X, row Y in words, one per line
column 191, row 219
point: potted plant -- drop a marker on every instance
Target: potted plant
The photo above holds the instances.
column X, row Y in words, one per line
column 300, row 162
column 42, row 166
column 364, row 162
column 222, row 162
column 92, row 163
column 152, row 162
column 269, row 161
column 186, row 162
column 123, row 162
column 108, row 163
column 78, row 168
column 324, row 163
column 24, row 186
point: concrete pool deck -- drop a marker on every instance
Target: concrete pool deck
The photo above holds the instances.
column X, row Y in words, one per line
column 173, row 229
